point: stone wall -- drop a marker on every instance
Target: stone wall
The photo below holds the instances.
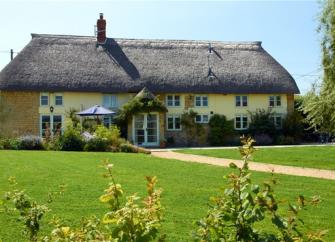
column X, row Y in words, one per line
column 20, row 114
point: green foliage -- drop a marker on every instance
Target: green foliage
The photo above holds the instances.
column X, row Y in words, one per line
column 130, row 148
column 261, row 123
column 319, row 103
column 220, row 130
column 9, row 144
column 139, row 105
column 97, row 144
column 72, row 115
column 234, row 214
column 195, row 132
column 30, row 142
column 71, row 140
column 293, row 125
column 111, row 134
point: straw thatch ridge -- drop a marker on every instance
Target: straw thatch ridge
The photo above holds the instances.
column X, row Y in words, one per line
column 75, row 63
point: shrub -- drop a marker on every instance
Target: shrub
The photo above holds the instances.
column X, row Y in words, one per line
column 97, row 144
column 30, row 142
column 285, row 140
column 263, row 139
column 261, row 123
column 220, row 130
column 111, row 134
column 195, row 132
column 9, row 143
column 71, row 140
column 236, row 214
column 129, row 148
column 293, row 125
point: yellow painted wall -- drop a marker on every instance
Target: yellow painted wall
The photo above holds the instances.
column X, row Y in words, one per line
column 225, row 104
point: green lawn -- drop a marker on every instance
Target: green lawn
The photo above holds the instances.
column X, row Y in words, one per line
column 322, row 157
column 187, row 187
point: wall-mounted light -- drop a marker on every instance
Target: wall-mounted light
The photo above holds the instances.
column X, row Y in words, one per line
column 51, row 109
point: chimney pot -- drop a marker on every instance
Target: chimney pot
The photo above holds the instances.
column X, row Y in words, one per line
column 101, row 29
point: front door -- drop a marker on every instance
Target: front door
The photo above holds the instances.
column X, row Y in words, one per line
column 146, row 129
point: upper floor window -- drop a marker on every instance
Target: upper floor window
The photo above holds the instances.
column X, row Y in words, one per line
column 201, row 101
column 173, row 122
column 275, row 101
column 202, row 118
column 241, row 122
column 241, row 101
column 110, row 101
column 44, row 99
column 58, row 99
column 173, row 100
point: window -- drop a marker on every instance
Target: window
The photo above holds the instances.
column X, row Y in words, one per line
column 44, row 99
column 107, row 121
column 51, row 125
column 173, row 100
column 241, row 101
column 275, row 101
column 109, row 101
column 59, row 99
column 202, row 118
column 201, row 101
column 277, row 121
column 241, row 122
column 173, row 122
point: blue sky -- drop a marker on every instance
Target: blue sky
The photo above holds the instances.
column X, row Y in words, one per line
column 287, row 29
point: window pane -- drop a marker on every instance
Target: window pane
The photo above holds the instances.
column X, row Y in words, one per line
column 271, row 101
column 278, row 122
column 245, row 122
column 198, row 118
column 198, row 101
column 170, row 122
column 204, row 101
column 177, row 100
column 113, row 101
column 170, row 100
column 238, row 101
column 177, row 122
column 59, row 100
column 278, row 101
column 205, row 118
column 44, row 100
column 244, row 101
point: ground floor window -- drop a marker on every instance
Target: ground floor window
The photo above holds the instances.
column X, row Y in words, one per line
column 173, row 122
column 277, row 121
column 51, row 125
column 241, row 121
column 202, row 118
column 107, row 121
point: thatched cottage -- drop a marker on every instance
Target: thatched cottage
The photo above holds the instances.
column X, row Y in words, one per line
column 54, row 73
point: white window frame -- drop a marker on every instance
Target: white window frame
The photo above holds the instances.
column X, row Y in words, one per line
column 173, row 100
column 273, row 119
column 202, row 119
column 201, row 100
column 240, row 97
column 173, row 116
column 59, row 95
column 276, row 98
column 44, row 94
column 241, row 116
column 112, row 101
column 51, row 123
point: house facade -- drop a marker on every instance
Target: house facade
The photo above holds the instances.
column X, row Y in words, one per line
column 56, row 73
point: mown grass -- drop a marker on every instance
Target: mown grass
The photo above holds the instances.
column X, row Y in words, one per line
column 322, row 157
column 187, row 188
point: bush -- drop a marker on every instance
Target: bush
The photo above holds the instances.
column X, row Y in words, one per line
column 97, row 144
column 30, row 142
column 220, row 130
column 261, row 123
column 111, row 134
column 293, row 126
column 129, row 148
column 285, row 140
column 71, row 140
column 263, row 139
column 9, row 144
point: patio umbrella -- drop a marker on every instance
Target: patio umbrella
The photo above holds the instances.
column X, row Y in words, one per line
column 97, row 111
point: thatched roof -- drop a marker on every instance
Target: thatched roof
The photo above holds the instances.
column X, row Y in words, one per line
column 74, row 63
column 145, row 94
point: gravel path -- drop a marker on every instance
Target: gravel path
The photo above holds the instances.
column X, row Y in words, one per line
column 256, row 166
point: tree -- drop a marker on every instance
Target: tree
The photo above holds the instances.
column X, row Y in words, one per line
column 319, row 103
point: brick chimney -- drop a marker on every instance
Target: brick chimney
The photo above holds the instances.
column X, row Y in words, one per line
column 101, row 29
